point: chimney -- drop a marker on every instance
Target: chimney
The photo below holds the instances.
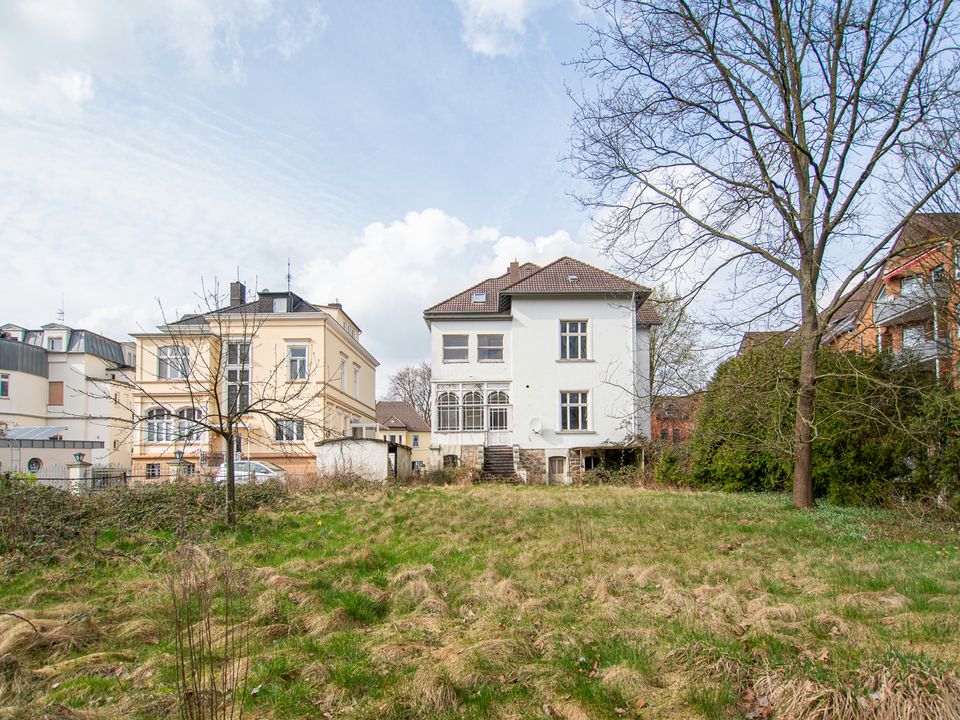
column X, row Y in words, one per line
column 514, row 272
column 238, row 293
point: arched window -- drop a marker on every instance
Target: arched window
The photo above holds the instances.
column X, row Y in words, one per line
column 188, row 428
column 448, row 412
column 473, row 411
column 497, row 411
column 159, row 426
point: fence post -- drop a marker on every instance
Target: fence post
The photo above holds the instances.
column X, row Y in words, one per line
column 78, row 474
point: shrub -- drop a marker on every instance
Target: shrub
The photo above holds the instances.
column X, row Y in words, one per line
column 36, row 520
column 671, row 466
column 863, row 450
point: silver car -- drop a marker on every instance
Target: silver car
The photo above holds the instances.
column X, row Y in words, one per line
column 251, row 471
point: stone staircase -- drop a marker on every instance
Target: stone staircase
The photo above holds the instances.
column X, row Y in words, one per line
column 498, row 462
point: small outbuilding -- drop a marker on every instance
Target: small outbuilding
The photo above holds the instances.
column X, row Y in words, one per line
column 369, row 458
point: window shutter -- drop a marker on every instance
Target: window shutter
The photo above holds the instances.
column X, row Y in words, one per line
column 56, row 393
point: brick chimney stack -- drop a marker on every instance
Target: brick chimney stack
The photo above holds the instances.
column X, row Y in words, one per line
column 238, row 294
column 514, row 272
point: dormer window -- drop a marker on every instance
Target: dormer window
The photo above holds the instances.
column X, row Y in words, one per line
column 55, row 344
column 280, row 305
column 572, row 278
column 479, row 298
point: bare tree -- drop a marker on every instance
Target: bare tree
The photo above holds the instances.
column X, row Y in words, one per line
column 752, row 141
column 678, row 361
column 412, row 384
column 215, row 377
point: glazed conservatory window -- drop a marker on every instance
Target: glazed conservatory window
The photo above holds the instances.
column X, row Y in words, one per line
column 473, row 411
column 448, row 412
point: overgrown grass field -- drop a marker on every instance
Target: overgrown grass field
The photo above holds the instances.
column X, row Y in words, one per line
column 511, row 602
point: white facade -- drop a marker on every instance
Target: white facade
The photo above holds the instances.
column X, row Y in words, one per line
column 63, row 381
column 532, row 373
column 368, row 458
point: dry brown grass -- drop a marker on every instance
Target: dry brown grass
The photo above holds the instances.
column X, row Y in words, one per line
column 881, row 692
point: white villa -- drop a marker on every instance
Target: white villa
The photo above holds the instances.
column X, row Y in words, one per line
column 540, row 371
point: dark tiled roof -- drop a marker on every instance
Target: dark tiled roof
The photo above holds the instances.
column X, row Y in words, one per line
column 392, row 414
column 754, row 338
column 647, row 314
column 554, row 278
column 263, row 304
column 926, row 228
column 462, row 302
column 570, row 276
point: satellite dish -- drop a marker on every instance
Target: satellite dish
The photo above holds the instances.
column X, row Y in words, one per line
column 536, row 425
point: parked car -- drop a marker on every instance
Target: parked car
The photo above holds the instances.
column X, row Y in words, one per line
column 251, row 471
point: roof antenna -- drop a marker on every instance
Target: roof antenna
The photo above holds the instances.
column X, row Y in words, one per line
column 289, row 276
column 61, row 313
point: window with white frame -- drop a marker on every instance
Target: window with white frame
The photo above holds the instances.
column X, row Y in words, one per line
column 4, row 385
column 448, row 412
column 490, row 348
column 416, row 441
column 456, row 348
column 343, row 374
column 55, row 344
column 297, row 362
column 573, row 410
column 497, row 411
column 473, row 411
column 288, row 430
column 573, row 339
column 188, row 427
column 356, row 381
column 173, row 363
column 280, row 305
column 238, row 376
column 159, row 426
column 153, row 470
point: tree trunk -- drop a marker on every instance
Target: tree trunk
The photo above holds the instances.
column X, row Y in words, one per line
column 803, row 432
column 231, row 483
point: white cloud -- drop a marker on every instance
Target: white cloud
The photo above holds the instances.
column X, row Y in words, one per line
column 393, row 272
column 55, row 53
column 494, row 27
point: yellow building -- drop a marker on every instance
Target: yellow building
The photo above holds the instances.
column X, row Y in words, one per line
column 284, row 372
column 399, row 422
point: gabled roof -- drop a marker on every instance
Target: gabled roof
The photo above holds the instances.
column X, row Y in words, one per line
column 462, row 302
column 568, row 276
column 925, row 228
column 400, row 415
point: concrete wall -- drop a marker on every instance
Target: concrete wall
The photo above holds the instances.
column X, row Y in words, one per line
column 367, row 458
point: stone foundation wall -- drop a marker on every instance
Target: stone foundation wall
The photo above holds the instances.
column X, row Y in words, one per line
column 535, row 463
column 575, row 466
column 471, row 456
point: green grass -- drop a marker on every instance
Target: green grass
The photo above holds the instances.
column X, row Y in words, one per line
column 579, row 602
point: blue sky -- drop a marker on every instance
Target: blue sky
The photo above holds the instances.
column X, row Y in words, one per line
column 396, row 152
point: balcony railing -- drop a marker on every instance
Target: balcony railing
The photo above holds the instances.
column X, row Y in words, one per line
column 927, row 350
column 911, row 304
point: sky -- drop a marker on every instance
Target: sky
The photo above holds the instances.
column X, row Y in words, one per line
column 394, row 152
